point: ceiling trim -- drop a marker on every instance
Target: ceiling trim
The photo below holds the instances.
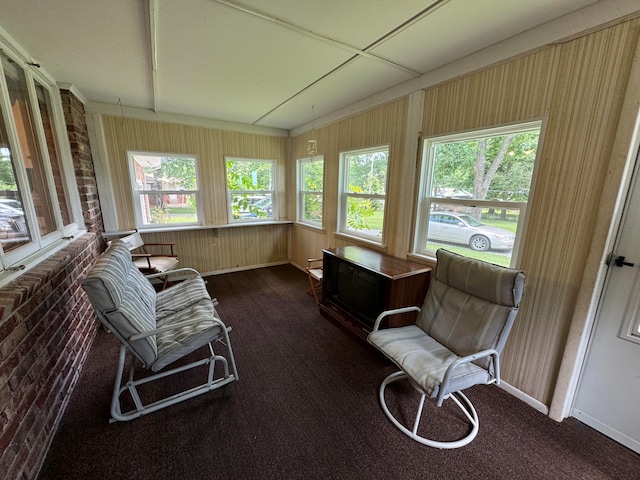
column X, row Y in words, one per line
column 146, row 114
column 153, row 42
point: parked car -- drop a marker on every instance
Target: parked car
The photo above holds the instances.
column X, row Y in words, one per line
column 464, row 229
column 10, row 202
column 13, row 227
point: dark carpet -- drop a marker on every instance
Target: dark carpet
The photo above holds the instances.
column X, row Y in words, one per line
column 306, row 407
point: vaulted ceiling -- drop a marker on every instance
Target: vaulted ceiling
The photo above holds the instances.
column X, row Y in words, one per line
column 275, row 63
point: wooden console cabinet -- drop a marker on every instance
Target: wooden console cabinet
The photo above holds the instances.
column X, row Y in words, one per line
column 359, row 284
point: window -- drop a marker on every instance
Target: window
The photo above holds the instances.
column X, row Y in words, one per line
column 35, row 198
column 474, row 192
column 310, row 190
column 250, row 189
column 363, row 179
column 165, row 189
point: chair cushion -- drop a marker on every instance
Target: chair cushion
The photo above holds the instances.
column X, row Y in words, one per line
column 493, row 283
column 124, row 299
column 181, row 295
column 424, row 360
column 175, row 344
column 158, row 264
column 471, row 305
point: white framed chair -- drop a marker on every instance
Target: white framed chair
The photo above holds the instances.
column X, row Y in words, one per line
column 456, row 342
column 157, row 328
column 314, row 272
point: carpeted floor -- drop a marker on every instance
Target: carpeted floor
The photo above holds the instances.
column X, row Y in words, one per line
column 306, row 407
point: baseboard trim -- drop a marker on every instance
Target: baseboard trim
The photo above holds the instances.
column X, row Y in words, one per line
column 242, row 269
column 538, row 405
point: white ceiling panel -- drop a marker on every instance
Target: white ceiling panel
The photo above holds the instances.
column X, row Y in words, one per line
column 239, row 65
column 451, row 32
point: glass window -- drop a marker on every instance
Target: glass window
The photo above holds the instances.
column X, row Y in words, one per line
column 14, row 230
column 310, row 190
column 363, row 192
column 31, row 153
column 250, row 189
column 165, row 189
column 48, row 127
column 474, row 192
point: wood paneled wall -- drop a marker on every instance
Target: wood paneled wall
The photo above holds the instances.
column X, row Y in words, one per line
column 576, row 88
column 210, row 249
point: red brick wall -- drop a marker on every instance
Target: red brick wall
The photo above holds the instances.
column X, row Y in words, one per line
column 47, row 326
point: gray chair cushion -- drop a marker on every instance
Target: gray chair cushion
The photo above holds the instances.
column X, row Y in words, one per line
column 124, row 299
column 425, row 360
column 187, row 300
column 471, row 305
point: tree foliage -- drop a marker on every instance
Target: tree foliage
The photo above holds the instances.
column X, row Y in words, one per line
column 498, row 167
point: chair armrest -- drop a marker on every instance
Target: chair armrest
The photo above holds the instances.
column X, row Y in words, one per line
column 177, row 271
column 491, row 352
column 395, row 311
column 175, row 326
column 170, row 245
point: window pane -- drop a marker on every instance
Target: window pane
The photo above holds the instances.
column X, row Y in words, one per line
column 168, row 208
column 312, row 176
column 245, row 205
column 367, row 172
column 365, row 216
column 164, row 173
column 250, row 189
column 249, row 175
column 485, row 233
column 493, row 168
column 16, row 84
column 13, row 228
column 44, row 104
column 312, row 211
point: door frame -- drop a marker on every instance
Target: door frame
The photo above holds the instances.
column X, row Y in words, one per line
column 626, row 146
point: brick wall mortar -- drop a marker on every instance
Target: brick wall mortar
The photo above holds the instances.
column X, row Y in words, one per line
column 47, row 326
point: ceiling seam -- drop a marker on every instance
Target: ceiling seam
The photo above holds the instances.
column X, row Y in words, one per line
column 322, row 38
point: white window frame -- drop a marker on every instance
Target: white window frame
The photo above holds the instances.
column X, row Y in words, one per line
column 271, row 193
column 426, row 185
column 40, row 246
column 345, row 195
column 138, row 194
column 301, row 194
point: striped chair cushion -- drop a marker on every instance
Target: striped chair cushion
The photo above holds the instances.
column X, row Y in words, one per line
column 425, row 360
column 124, row 298
column 174, row 344
column 179, row 296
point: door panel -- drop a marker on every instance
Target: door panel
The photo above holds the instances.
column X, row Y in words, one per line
column 608, row 394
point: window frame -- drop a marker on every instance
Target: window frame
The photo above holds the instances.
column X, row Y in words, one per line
column 38, row 245
column 137, row 194
column 424, row 201
column 344, row 195
column 255, row 192
column 301, row 194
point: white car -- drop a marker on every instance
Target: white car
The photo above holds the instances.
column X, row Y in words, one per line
column 464, row 229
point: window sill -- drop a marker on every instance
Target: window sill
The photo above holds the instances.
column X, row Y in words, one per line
column 310, row 227
column 370, row 243
column 16, row 271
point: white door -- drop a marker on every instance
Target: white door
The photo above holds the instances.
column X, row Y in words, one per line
column 608, row 394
